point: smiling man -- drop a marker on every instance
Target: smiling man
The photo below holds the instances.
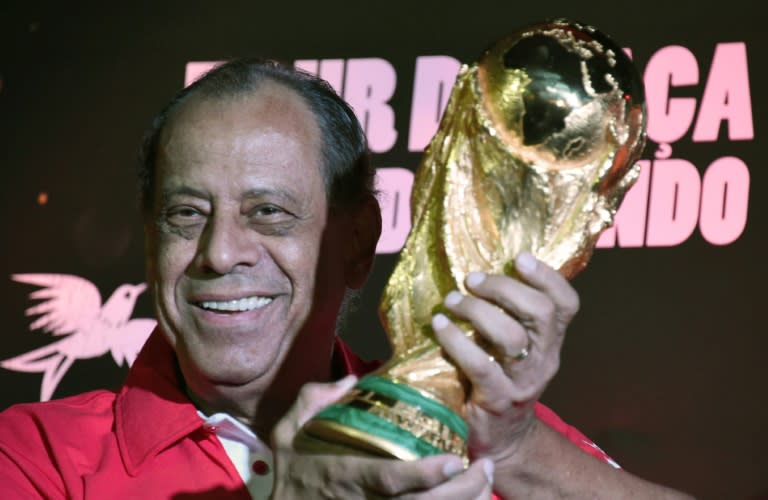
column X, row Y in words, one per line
column 260, row 216
column 245, row 255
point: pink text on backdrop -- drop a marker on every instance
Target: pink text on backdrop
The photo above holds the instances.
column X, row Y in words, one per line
column 369, row 83
column 394, row 186
column 670, row 199
column 725, row 100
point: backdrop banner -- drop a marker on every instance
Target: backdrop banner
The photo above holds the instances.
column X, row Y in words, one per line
column 663, row 367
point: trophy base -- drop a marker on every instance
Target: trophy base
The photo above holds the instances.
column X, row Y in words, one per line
column 325, row 436
column 385, row 418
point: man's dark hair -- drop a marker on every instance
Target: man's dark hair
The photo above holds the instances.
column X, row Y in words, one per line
column 347, row 170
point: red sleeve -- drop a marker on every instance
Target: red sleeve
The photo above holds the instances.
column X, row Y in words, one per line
column 550, row 418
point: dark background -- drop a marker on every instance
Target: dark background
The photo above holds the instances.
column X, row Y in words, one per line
column 664, row 367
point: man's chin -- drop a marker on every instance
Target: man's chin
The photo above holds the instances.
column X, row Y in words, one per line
column 227, row 372
column 216, row 368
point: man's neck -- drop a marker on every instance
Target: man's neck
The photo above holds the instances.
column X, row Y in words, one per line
column 262, row 409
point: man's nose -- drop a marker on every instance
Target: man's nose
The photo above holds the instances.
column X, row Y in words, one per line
column 227, row 243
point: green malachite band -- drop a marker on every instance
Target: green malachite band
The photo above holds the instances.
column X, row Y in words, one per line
column 402, row 392
column 377, row 426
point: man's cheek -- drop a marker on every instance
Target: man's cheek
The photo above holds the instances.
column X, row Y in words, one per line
column 167, row 267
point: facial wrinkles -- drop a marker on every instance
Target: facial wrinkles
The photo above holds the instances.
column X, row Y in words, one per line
column 245, row 164
column 250, row 173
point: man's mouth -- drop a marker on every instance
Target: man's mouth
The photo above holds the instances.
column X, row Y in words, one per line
column 238, row 305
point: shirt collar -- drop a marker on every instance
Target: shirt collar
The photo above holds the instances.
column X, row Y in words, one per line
column 152, row 412
column 226, row 426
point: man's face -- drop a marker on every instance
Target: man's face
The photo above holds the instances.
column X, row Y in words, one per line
column 240, row 219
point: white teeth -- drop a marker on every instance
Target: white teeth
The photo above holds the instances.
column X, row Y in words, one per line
column 246, row 304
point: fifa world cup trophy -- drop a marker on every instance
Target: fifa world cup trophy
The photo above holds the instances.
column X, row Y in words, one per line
column 535, row 150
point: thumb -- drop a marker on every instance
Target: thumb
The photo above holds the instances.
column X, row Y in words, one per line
column 312, row 398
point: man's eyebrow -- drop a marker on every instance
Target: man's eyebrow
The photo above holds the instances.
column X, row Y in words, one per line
column 262, row 192
column 183, row 190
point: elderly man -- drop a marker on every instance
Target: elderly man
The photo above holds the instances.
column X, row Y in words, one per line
column 259, row 217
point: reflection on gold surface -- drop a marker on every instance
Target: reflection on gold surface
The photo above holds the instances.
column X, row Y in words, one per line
column 535, row 151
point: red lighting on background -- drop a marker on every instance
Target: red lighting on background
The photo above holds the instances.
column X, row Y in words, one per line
column 42, row 198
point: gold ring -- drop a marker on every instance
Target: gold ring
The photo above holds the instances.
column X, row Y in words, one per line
column 511, row 360
column 518, row 357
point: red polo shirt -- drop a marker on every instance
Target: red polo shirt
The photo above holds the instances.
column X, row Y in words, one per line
column 145, row 441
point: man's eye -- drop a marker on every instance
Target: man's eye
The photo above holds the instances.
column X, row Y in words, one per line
column 272, row 219
column 186, row 212
column 268, row 211
column 183, row 215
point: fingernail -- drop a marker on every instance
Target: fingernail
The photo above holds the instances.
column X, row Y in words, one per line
column 526, row 263
column 453, row 298
column 347, row 382
column 452, row 468
column 475, row 278
column 439, row 321
column 488, row 468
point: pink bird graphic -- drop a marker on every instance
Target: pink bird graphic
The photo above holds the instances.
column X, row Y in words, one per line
column 71, row 306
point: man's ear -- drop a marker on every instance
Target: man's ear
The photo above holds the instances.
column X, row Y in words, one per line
column 365, row 220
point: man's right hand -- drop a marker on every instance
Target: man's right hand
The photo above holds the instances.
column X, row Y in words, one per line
column 310, row 475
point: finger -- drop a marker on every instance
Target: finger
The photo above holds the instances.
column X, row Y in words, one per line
column 506, row 336
column 475, row 482
column 551, row 282
column 529, row 306
column 394, row 477
column 487, row 493
column 312, row 398
column 490, row 386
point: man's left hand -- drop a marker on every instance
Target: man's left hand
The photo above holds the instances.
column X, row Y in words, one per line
column 522, row 323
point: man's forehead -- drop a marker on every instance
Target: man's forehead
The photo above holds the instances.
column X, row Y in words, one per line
column 251, row 140
column 269, row 101
column 224, row 124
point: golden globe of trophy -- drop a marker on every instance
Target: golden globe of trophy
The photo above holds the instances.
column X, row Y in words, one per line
column 535, row 150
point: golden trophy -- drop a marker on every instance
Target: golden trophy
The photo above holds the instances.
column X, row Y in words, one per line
column 535, row 150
